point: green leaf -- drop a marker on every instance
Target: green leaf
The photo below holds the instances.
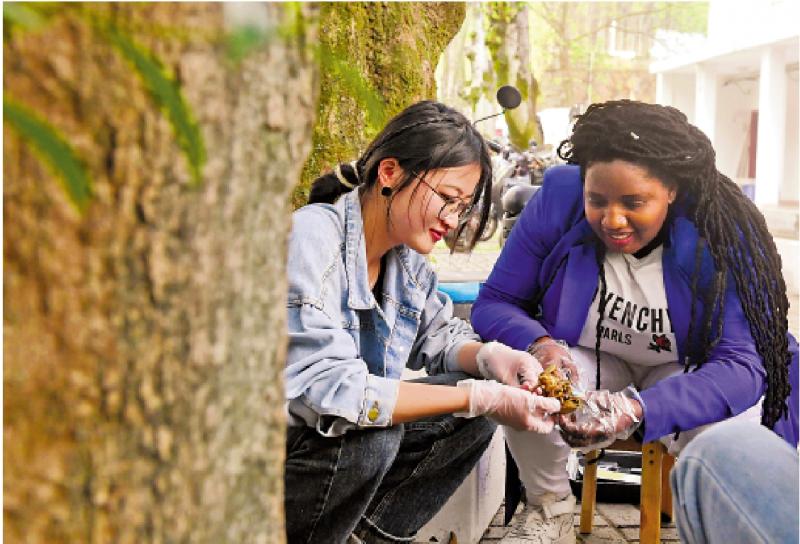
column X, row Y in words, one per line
column 54, row 149
column 241, row 42
column 294, row 25
column 22, row 15
column 167, row 95
column 243, row 39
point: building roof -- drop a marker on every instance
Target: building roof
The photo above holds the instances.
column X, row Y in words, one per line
column 727, row 59
column 739, row 31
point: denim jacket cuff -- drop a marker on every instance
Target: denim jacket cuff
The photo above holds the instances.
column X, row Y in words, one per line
column 380, row 398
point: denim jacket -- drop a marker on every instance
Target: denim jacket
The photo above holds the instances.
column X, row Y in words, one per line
column 347, row 351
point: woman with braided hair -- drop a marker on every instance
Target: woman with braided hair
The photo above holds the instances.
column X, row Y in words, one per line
column 639, row 263
column 370, row 457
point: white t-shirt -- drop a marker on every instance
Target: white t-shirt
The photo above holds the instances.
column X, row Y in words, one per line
column 636, row 326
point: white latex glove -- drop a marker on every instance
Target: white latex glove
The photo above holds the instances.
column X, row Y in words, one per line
column 556, row 352
column 602, row 418
column 510, row 405
column 499, row 362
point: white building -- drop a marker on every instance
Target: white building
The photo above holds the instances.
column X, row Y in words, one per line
column 741, row 89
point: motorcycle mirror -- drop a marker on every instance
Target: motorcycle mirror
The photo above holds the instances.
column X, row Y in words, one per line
column 508, row 97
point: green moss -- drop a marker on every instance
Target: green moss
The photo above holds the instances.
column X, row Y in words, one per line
column 499, row 15
column 395, row 48
column 522, row 124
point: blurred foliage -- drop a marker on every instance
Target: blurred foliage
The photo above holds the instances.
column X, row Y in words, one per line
column 577, row 50
column 19, row 15
column 571, row 51
column 53, row 149
column 242, row 41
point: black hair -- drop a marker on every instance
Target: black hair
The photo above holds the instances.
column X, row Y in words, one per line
column 423, row 137
column 662, row 141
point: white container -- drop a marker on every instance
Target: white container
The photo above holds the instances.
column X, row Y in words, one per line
column 468, row 513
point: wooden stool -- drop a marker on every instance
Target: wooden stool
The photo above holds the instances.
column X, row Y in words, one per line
column 656, row 495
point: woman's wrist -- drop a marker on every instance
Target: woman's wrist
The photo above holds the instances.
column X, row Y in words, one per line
column 482, row 359
column 540, row 340
column 467, row 358
column 543, row 341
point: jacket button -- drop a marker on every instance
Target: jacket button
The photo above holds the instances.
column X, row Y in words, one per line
column 373, row 413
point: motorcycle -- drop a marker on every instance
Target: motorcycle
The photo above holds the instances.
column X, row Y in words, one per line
column 502, row 169
column 505, row 168
column 516, row 176
column 517, row 195
column 514, row 202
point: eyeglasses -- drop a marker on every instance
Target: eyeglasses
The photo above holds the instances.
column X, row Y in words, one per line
column 451, row 205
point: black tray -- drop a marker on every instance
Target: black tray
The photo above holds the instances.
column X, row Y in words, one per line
column 612, row 491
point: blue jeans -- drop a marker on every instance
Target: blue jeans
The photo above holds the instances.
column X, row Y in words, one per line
column 736, row 483
column 381, row 485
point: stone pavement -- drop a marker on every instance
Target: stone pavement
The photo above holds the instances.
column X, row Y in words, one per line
column 613, row 524
column 464, row 267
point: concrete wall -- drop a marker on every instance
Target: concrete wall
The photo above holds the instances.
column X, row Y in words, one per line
column 789, row 250
column 790, row 188
column 680, row 93
column 736, row 99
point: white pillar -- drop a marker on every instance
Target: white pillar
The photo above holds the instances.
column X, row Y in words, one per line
column 664, row 84
column 705, row 103
column 771, row 147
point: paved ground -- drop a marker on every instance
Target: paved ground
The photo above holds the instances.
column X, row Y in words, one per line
column 465, row 267
column 613, row 524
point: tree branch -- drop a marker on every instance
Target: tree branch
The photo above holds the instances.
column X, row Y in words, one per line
column 543, row 10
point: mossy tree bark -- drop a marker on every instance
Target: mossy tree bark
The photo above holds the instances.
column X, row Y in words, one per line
column 144, row 340
column 508, row 41
column 394, row 47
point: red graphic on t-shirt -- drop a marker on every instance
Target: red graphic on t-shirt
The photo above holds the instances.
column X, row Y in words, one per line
column 660, row 341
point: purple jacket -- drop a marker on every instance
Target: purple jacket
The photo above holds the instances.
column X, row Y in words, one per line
column 550, row 256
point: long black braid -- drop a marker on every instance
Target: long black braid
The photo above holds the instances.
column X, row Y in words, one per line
column 600, row 255
column 661, row 140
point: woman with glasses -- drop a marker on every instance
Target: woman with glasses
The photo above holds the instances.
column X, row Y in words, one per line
column 370, row 457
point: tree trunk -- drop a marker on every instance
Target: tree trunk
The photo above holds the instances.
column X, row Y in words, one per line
column 393, row 49
column 144, row 339
column 526, row 81
column 565, row 64
column 451, row 68
column 509, row 43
